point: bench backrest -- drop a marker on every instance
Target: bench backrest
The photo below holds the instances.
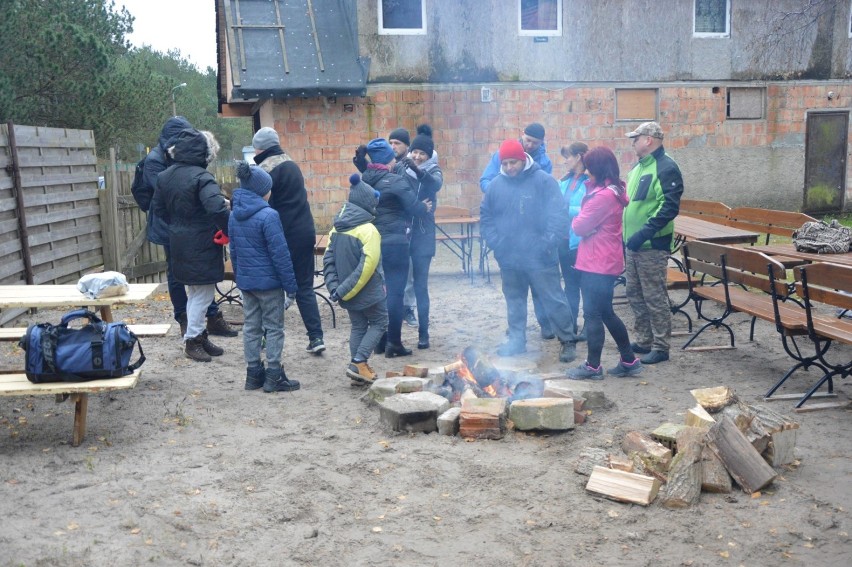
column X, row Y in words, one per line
column 768, row 221
column 734, row 265
column 706, row 210
column 823, row 282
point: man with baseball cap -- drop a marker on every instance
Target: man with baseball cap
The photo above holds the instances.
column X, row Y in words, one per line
column 523, row 219
column 655, row 186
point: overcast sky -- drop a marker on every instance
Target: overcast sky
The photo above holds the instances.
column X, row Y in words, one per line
column 187, row 25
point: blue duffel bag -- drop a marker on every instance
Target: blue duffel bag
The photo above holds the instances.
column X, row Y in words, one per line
column 58, row 353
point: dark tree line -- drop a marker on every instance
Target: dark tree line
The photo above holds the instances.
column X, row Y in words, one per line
column 68, row 64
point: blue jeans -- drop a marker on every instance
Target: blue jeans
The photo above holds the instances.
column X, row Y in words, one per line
column 177, row 291
column 544, row 283
column 264, row 316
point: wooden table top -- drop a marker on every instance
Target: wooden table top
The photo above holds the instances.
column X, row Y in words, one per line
column 457, row 220
column 689, row 228
column 67, row 295
column 790, row 253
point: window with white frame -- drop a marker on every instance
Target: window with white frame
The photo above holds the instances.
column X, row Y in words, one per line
column 746, row 103
column 712, row 18
column 540, row 17
column 402, row 17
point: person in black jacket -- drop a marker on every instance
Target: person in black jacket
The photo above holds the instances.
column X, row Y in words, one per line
column 156, row 162
column 189, row 200
column 290, row 199
column 397, row 205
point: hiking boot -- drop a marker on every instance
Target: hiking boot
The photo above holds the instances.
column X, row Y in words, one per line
column 655, row 357
column 393, row 350
column 217, row 326
column 277, row 381
column 181, row 319
column 625, row 369
column 209, row 347
column 511, row 348
column 255, row 377
column 409, row 317
column 547, row 334
column 360, row 372
column 316, row 345
column 568, row 352
column 586, row 372
column 194, row 349
column 639, row 349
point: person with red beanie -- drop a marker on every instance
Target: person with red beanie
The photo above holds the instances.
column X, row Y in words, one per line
column 523, row 218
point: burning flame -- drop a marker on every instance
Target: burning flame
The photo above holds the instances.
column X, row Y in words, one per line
column 465, row 374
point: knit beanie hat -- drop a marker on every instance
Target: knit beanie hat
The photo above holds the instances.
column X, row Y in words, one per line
column 362, row 194
column 512, row 149
column 265, row 138
column 423, row 140
column 380, row 151
column 535, row 130
column 400, row 134
column 253, row 178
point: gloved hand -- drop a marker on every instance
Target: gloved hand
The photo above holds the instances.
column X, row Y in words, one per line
column 360, row 159
column 334, row 297
column 221, row 238
column 409, row 163
column 288, row 301
column 635, row 242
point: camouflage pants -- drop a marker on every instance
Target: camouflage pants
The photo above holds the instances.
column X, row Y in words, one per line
column 647, row 295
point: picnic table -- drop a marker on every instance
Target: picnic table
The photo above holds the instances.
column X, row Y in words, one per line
column 691, row 228
column 790, row 257
column 35, row 296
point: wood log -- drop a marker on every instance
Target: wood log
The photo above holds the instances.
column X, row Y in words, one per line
column 589, row 458
column 483, row 371
column 623, row 486
column 655, row 456
column 620, row 463
column 783, row 433
column 713, row 399
column 698, row 417
column 742, row 460
column 714, row 475
column 744, row 417
column 683, row 488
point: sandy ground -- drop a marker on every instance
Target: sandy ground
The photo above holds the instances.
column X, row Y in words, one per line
column 189, row 469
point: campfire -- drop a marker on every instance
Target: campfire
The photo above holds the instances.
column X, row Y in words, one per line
column 473, row 375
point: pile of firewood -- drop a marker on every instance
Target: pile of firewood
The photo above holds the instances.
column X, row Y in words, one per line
column 723, row 441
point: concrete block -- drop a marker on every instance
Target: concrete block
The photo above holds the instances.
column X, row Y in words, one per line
column 594, row 396
column 382, row 388
column 409, row 385
column 448, row 422
column 417, row 411
column 548, row 414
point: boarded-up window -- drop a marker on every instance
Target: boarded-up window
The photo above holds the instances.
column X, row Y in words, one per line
column 636, row 104
column 540, row 17
column 712, row 18
column 402, row 17
column 746, row 103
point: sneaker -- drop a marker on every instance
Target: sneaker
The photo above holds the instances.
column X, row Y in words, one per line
column 655, row 356
column 217, row 326
column 586, row 372
column 547, row 335
column 410, row 319
column 316, row 345
column 360, row 372
column 639, row 349
column 511, row 348
column 568, row 352
column 625, row 370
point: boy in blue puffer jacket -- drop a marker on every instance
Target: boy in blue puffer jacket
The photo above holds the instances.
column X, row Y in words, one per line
column 264, row 273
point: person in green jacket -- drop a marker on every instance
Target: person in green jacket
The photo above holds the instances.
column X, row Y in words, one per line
column 654, row 186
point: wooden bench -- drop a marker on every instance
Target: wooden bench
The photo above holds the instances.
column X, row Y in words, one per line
column 820, row 283
column 16, row 384
column 156, row 330
column 768, row 221
column 706, row 210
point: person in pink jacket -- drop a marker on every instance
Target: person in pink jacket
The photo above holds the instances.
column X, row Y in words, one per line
column 600, row 260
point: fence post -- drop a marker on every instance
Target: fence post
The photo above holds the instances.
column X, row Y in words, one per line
column 18, row 190
column 109, row 218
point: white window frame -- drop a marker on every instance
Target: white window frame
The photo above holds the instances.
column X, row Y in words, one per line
column 541, row 33
column 402, row 31
column 726, row 33
column 849, row 26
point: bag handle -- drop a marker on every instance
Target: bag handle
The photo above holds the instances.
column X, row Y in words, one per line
column 79, row 314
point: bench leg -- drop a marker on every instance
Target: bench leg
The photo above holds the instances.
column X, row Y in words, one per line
column 106, row 313
column 81, row 406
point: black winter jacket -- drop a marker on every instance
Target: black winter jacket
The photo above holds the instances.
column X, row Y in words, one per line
column 155, row 163
column 423, row 225
column 289, row 196
column 397, row 204
column 190, row 201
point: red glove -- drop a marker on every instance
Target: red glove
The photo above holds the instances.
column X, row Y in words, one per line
column 221, row 238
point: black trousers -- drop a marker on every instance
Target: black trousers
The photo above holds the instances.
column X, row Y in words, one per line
column 597, row 311
column 420, row 267
column 395, row 265
column 302, row 255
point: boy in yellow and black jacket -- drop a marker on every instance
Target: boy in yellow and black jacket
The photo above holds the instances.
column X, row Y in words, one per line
column 353, row 276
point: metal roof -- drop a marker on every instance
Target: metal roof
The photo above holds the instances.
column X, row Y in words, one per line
column 293, row 48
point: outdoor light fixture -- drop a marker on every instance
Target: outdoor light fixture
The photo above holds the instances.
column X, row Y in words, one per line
column 174, row 108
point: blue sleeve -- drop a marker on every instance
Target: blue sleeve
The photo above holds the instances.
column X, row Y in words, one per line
column 491, row 171
column 276, row 244
column 546, row 165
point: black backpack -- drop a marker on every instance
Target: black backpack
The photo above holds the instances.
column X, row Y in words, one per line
column 142, row 194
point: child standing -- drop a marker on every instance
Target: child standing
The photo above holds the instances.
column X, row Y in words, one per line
column 354, row 277
column 264, row 272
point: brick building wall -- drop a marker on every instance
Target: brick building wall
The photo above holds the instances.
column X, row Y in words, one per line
column 740, row 162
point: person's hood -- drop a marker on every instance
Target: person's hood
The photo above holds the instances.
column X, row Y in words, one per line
column 529, row 167
column 619, row 189
column 171, row 129
column 245, row 203
column 190, row 147
column 350, row 216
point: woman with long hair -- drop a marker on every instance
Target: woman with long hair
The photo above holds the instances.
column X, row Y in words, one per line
column 573, row 187
column 600, row 260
